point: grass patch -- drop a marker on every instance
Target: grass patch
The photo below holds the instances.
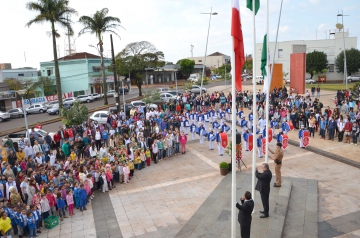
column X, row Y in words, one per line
column 330, row 86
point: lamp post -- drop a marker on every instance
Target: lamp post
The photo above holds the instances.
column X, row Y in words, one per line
column 342, row 27
column 21, row 94
column 207, row 40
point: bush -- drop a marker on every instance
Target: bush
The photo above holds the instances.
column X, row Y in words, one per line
column 224, row 165
column 205, row 81
column 188, row 86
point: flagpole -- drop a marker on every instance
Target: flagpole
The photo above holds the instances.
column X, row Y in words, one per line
column 254, row 107
column 276, row 40
column 233, row 148
column 268, row 84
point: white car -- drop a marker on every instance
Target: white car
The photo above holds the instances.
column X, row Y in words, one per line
column 141, row 103
column 50, row 104
column 353, row 78
column 96, row 96
column 193, row 78
column 311, row 81
column 167, row 97
column 162, row 90
column 100, row 116
column 85, row 98
column 36, row 108
column 4, row 116
column 197, row 89
column 69, row 100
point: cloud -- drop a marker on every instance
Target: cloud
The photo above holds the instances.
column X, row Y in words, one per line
column 283, row 28
column 321, row 26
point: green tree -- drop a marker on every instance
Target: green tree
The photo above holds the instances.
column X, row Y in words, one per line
column 187, row 66
column 151, row 96
column 221, row 70
column 75, row 115
column 352, row 61
column 14, row 84
column 135, row 58
column 316, row 61
column 248, row 65
column 54, row 12
column 98, row 24
column 46, row 84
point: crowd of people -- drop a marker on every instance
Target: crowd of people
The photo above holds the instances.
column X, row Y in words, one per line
column 60, row 175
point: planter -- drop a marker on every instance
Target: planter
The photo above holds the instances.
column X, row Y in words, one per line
column 322, row 79
column 224, row 172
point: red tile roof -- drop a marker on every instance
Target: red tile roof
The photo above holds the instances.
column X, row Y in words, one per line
column 80, row 55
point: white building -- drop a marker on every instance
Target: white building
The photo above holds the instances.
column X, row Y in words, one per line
column 331, row 47
column 214, row 60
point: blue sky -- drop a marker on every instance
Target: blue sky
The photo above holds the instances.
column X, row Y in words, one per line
column 172, row 26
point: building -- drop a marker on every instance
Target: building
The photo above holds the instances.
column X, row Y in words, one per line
column 331, row 47
column 214, row 60
column 5, row 97
column 19, row 74
column 80, row 73
column 5, row 66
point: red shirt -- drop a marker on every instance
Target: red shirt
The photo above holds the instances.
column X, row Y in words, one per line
column 51, row 199
column 57, row 137
column 39, row 126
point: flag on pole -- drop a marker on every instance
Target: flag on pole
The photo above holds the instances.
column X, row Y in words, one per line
column 238, row 43
column 249, row 4
column 265, row 59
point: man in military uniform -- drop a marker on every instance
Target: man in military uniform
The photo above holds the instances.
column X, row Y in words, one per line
column 278, row 157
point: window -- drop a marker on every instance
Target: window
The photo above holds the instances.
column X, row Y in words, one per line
column 280, row 53
column 331, row 68
column 103, row 115
column 49, row 72
column 21, row 75
column 199, row 61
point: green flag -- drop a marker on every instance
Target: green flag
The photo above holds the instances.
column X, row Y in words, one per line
column 264, row 56
column 249, row 4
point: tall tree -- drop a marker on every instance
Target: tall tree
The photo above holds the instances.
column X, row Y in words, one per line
column 352, row 61
column 316, row 62
column 46, row 84
column 98, row 24
column 54, row 12
column 136, row 57
column 187, row 66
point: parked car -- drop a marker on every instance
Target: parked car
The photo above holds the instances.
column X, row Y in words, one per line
column 128, row 107
column 216, row 76
column 162, row 90
column 353, row 78
column 54, row 110
column 167, row 97
column 36, row 108
column 16, row 112
column 15, row 137
column 4, row 116
column 96, row 96
column 123, row 90
column 69, row 100
column 197, row 89
column 110, row 93
column 194, row 77
column 100, row 116
column 174, row 93
column 311, row 81
column 141, row 103
column 85, row 98
column 50, row 104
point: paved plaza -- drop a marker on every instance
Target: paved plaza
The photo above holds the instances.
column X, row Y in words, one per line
column 165, row 200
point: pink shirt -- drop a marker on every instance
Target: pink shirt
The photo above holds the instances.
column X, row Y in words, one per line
column 69, row 199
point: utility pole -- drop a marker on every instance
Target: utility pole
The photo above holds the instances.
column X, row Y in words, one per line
column 192, row 47
column 117, row 97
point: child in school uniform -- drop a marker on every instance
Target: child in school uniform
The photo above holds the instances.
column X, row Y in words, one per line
column 36, row 216
column 83, row 197
column 103, row 182
column 20, row 222
column 70, row 202
column 61, row 206
column 31, row 224
column 77, row 195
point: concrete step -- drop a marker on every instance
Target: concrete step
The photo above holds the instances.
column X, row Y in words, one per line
column 302, row 216
column 213, row 218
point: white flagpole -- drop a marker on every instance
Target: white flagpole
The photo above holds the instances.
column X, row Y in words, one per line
column 233, row 139
column 268, row 84
column 254, row 107
column 276, row 40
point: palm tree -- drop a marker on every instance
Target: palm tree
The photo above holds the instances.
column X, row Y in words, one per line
column 53, row 11
column 97, row 24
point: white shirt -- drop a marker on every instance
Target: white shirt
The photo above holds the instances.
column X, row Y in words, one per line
column 97, row 135
column 38, row 160
column 103, row 151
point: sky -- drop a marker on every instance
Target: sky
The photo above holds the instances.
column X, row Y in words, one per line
column 171, row 25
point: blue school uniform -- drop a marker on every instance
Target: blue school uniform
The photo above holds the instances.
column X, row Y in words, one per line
column 83, row 197
column 77, row 197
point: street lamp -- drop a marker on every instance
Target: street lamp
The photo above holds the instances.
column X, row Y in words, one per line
column 207, row 40
column 21, row 94
column 343, row 29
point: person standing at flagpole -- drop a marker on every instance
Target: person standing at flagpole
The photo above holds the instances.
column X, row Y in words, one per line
column 238, row 60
